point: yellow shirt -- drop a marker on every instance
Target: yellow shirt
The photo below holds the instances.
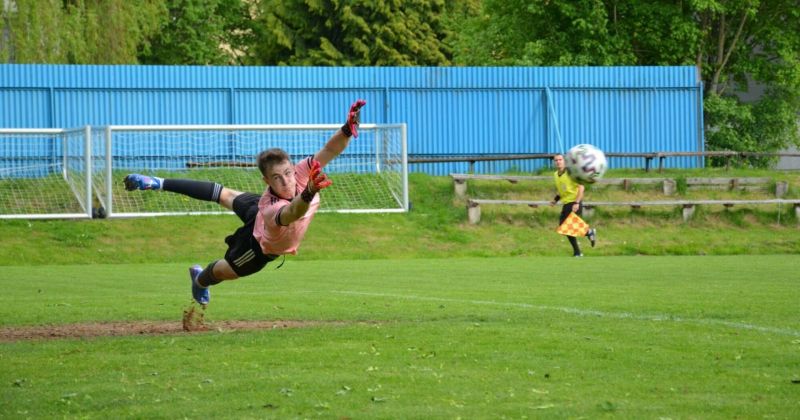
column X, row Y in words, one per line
column 567, row 187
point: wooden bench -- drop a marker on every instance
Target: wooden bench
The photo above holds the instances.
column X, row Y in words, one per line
column 669, row 185
column 474, row 205
column 746, row 183
column 460, row 181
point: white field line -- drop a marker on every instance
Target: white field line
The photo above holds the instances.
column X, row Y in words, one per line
column 589, row 312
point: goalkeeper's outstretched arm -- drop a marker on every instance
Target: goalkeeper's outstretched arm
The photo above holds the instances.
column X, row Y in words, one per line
column 317, row 181
column 341, row 138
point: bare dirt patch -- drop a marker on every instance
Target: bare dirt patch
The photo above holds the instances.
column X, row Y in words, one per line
column 120, row 329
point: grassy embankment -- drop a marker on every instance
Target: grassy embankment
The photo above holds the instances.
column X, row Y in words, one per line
column 437, row 227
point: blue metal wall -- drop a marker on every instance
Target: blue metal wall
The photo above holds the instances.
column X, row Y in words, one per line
column 449, row 111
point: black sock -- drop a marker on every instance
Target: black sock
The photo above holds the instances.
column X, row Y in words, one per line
column 576, row 250
column 207, row 277
column 201, row 190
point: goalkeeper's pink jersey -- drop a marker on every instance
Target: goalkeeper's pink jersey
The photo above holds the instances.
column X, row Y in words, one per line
column 274, row 238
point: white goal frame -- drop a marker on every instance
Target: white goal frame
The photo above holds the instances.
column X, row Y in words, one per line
column 72, row 167
column 90, row 159
column 109, row 139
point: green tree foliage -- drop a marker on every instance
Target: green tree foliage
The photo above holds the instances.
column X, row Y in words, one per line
column 456, row 13
column 113, row 31
column 736, row 45
column 202, row 32
column 352, row 33
column 77, row 31
column 31, row 32
column 746, row 44
column 522, row 32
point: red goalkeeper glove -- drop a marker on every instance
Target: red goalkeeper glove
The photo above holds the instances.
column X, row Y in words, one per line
column 350, row 128
column 317, row 181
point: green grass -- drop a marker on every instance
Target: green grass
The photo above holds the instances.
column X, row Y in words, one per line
column 436, row 318
column 546, row 337
column 47, row 192
column 436, row 227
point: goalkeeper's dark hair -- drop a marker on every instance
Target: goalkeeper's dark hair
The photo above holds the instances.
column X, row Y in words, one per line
column 269, row 158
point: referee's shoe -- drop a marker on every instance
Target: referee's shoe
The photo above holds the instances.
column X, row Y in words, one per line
column 592, row 235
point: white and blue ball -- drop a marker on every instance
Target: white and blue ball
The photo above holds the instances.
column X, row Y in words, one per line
column 586, row 163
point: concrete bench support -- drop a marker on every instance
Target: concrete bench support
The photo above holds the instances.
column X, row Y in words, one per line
column 781, row 188
column 473, row 212
column 460, row 187
column 688, row 211
column 669, row 186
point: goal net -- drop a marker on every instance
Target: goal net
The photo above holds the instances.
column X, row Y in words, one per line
column 44, row 173
column 369, row 176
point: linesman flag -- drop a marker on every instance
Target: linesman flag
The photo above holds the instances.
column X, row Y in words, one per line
column 573, row 226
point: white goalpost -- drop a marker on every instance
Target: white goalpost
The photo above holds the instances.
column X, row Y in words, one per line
column 44, row 173
column 55, row 173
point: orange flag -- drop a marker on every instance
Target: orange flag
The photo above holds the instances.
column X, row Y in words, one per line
column 573, row 226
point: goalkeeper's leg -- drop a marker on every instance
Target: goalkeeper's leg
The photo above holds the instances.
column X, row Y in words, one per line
column 203, row 190
column 244, row 256
column 214, row 273
column 200, row 190
column 242, row 259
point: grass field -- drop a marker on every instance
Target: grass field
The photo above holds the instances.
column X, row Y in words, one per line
column 516, row 337
column 417, row 315
column 436, row 227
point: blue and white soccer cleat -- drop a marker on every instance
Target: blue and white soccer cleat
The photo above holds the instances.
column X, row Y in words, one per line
column 142, row 182
column 201, row 295
column 592, row 235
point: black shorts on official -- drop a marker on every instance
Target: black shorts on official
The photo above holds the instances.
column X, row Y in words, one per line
column 244, row 252
column 566, row 209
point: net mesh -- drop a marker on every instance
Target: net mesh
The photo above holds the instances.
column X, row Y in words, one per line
column 43, row 174
column 368, row 176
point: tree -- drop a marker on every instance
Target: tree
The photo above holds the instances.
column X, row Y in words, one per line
column 352, row 33
column 743, row 44
column 560, row 32
column 202, row 32
column 736, row 45
column 78, row 31
column 31, row 32
column 112, row 31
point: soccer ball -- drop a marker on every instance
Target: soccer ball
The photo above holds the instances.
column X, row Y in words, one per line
column 585, row 163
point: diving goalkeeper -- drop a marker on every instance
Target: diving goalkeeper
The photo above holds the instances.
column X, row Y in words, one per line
column 275, row 221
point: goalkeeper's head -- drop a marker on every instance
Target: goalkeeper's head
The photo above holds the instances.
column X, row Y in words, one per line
column 277, row 171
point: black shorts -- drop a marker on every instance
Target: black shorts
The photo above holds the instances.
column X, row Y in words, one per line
column 244, row 252
column 566, row 209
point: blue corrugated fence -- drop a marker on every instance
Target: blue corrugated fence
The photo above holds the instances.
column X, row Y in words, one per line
column 449, row 111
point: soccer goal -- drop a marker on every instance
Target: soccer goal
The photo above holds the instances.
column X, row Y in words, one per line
column 370, row 176
column 44, row 173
